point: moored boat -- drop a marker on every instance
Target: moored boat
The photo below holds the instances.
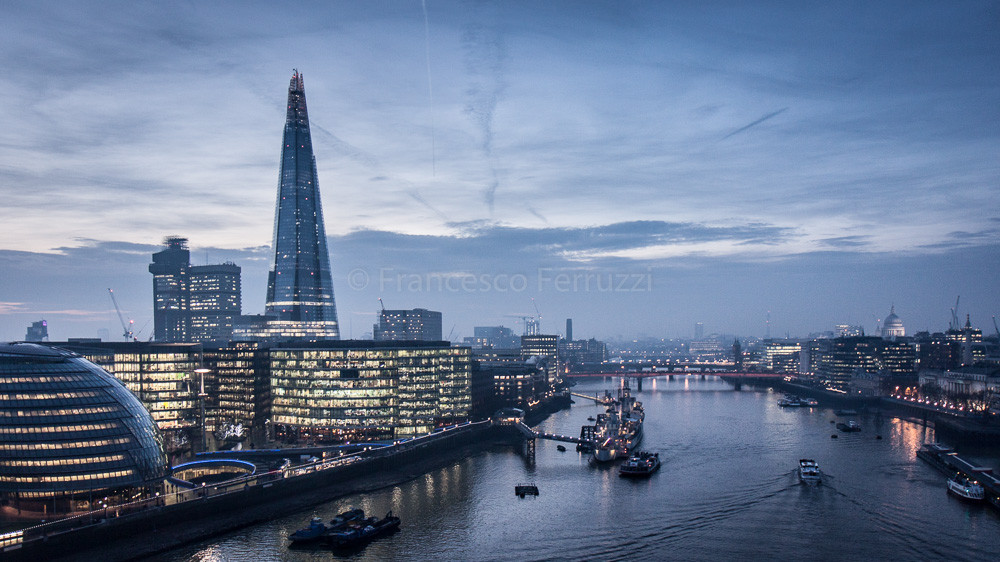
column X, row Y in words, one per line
column 313, row 532
column 359, row 535
column 317, row 529
column 640, row 464
column 968, row 490
column 849, row 426
column 789, row 401
column 809, row 472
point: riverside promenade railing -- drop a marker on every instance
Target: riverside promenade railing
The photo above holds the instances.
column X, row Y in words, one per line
column 81, row 522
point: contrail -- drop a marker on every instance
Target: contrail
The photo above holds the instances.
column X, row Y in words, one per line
column 419, row 199
column 755, row 123
column 430, row 86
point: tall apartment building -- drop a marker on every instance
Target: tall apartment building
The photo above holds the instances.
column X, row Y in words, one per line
column 199, row 303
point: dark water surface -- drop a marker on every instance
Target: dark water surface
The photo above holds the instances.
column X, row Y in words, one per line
column 727, row 489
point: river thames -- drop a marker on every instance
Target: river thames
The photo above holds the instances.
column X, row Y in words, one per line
column 727, row 489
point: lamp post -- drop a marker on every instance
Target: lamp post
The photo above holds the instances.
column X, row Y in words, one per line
column 201, row 399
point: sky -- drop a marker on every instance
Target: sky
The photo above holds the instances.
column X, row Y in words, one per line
column 637, row 166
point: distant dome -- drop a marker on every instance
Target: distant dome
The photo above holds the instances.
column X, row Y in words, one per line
column 69, row 428
column 893, row 326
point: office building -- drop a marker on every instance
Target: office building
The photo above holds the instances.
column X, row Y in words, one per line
column 408, row 325
column 70, row 433
column 779, row 356
column 162, row 376
column 840, row 358
column 239, row 393
column 336, row 392
column 37, row 332
column 198, row 303
column 493, row 337
column 300, row 302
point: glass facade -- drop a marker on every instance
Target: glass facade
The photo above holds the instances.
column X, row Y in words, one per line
column 408, row 325
column 161, row 375
column 69, row 432
column 241, row 391
column 300, row 288
column 358, row 391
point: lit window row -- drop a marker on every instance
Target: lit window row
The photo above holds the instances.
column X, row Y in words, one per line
column 61, row 462
column 67, row 477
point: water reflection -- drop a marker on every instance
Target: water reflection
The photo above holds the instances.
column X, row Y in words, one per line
column 727, row 489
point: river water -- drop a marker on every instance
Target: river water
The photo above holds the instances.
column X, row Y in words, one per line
column 727, row 488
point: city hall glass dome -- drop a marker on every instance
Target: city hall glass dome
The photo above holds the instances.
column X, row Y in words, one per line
column 69, row 432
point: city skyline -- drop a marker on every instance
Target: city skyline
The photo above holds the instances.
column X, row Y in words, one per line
column 640, row 168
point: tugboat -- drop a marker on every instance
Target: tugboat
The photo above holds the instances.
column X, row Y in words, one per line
column 809, row 472
column 966, row 489
column 312, row 533
column 640, row 464
column 360, row 535
column 317, row 529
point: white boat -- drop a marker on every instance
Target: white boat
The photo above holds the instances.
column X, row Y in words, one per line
column 809, row 472
column 966, row 489
column 789, row 401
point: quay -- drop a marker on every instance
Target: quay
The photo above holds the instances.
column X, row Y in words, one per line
column 947, row 461
column 193, row 513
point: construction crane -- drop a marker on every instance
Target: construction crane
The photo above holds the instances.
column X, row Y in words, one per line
column 538, row 324
column 954, row 324
column 128, row 330
column 997, row 329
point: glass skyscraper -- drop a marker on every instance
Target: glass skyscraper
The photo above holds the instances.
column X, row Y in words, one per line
column 300, row 300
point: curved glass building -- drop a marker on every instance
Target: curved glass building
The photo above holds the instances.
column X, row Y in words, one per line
column 70, row 434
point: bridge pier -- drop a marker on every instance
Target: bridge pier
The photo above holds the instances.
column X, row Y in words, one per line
column 638, row 384
column 670, row 377
column 737, row 384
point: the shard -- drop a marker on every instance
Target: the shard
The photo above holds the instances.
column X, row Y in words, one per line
column 300, row 303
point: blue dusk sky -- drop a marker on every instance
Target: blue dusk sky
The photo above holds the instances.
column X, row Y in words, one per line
column 637, row 166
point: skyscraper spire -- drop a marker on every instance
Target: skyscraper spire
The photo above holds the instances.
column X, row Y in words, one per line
column 300, row 288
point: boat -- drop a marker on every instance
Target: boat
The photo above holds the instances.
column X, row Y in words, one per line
column 849, row 427
column 845, row 412
column 619, row 430
column 640, row 464
column 522, row 490
column 809, row 472
column 966, row 489
column 591, row 418
column 364, row 533
column 317, row 529
column 561, row 448
column 313, row 532
column 346, row 517
column 810, row 402
column 789, row 401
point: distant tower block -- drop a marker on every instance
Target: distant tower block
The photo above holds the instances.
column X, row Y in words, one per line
column 569, row 329
column 699, row 330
